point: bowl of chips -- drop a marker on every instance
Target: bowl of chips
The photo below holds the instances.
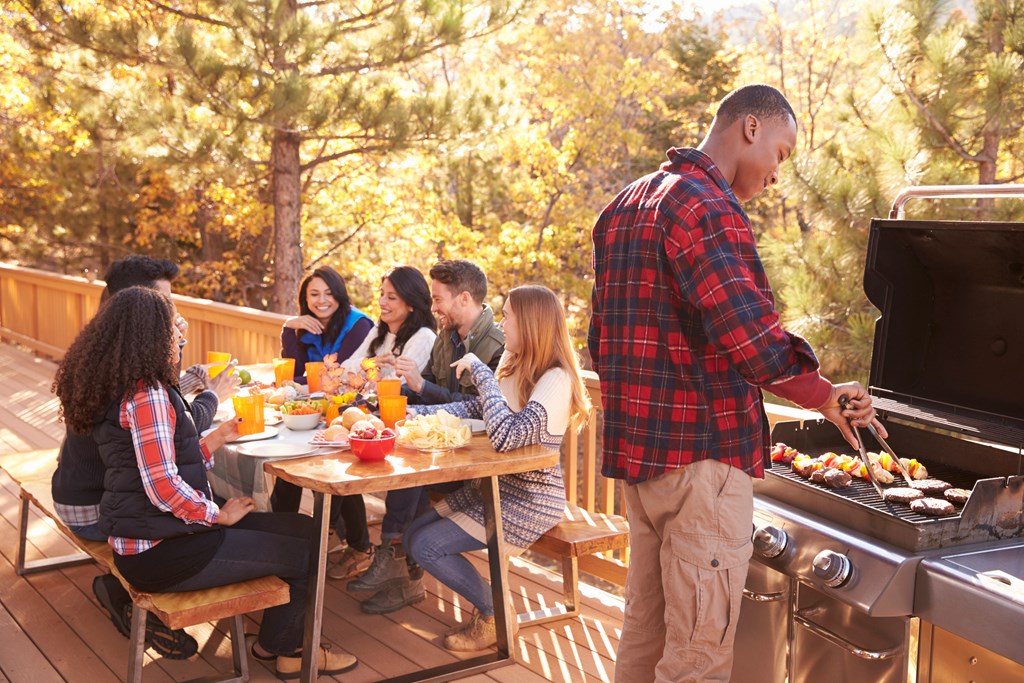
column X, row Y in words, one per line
column 435, row 433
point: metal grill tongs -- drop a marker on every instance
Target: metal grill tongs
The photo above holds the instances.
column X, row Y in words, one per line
column 892, row 454
column 843, row 400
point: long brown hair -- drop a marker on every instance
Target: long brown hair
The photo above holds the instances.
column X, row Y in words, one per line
column 545, row 343
column 131, row 339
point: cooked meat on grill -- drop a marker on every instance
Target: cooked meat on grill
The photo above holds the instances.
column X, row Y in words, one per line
column 837, row 479
column 932, row 507
column 915, row 469
column 783, row 453
column 902, row 494
column 957, row 496
column 818, row 476
column 931, row 487
column 805, row 465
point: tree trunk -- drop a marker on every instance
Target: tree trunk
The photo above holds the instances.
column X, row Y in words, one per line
column 284, row 158
column 287, row 185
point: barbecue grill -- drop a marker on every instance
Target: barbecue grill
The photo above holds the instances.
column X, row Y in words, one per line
column 857, row 588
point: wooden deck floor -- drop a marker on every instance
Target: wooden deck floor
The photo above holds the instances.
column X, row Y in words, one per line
column 54, row 630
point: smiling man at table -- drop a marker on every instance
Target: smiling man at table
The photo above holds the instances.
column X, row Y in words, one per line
column 458, row 290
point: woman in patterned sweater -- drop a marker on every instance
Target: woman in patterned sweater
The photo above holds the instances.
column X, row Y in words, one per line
column 533, row 397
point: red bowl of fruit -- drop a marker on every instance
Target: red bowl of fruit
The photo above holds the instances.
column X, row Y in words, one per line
column 372, row 449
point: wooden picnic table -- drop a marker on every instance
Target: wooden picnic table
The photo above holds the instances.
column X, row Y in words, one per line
column 343, row 474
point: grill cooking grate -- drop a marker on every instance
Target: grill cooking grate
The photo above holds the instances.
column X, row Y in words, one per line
column 863, row 493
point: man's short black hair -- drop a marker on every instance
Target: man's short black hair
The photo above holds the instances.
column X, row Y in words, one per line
column 137, row 271
column 461, row 276
column 763, row 101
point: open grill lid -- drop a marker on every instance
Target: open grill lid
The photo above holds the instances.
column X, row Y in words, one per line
column 949, row 345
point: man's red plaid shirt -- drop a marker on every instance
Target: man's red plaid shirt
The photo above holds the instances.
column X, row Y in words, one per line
column 684, row 327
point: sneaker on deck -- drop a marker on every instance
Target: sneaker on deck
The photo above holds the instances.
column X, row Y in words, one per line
column 114, row 598
column 334, row 543
column 350, row 562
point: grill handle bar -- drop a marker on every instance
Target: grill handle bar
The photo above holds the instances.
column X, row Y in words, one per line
column 765, row 597
column 946, row 191
column 831, row 636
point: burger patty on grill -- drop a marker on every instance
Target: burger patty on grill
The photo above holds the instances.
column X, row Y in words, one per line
column 930, row 487
column 902, row 494
column 932, row 507
column 957, row 496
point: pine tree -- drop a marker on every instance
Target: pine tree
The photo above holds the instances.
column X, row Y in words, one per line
column 268, row 90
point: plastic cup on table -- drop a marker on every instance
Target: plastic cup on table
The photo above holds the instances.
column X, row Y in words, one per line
column 333, row 411
column 250, row 409
column 284, row 369
column 313, row 376
column 389, row 387
column 217, row 357
column 392, row 409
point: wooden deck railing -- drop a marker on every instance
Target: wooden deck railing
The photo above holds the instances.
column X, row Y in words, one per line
column 44, row 311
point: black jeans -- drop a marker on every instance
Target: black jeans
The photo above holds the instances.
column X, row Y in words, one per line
column 348, row 513
column 265, row 544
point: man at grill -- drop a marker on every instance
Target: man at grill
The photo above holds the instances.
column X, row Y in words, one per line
column 684, row 334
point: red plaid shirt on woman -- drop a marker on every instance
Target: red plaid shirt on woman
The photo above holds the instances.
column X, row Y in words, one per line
column 149, row 416
column 684, row 327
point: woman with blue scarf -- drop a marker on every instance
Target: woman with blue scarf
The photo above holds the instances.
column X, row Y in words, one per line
column 327, row 323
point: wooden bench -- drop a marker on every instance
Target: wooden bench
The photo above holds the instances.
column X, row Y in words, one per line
column 175, row 610
column 580, row 533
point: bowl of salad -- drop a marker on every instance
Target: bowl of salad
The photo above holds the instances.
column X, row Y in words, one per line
column 300, row 415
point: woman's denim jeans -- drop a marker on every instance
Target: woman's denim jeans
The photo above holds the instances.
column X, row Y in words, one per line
column 437, row 544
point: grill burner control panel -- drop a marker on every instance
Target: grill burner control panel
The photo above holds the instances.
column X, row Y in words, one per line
column 832, row 568
column 860, row 571
column 769, row 541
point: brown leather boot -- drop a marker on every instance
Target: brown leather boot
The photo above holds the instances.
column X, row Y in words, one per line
column 478, row 634
column 328, row 664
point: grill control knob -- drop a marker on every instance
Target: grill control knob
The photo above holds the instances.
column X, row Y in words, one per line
column 770, row 541
column 832, row 568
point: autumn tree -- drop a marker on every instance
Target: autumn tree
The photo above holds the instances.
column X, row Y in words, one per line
column 276, row 88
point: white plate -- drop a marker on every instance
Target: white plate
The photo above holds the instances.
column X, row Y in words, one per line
column 275, row 449
column 267, row 433
column 221, row 415
column 475, row 426
column 272, row 419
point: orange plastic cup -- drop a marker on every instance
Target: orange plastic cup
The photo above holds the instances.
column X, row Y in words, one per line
column 392, row 409
column 217, row 357
column 284, row 369
column 333, row 411
column 313, row 376
column 389, row 387
column 250, row 409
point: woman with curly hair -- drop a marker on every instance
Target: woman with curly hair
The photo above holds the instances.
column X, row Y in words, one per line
column 118, row 381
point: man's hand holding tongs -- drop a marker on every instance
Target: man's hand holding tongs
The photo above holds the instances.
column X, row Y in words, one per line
column 858, row 411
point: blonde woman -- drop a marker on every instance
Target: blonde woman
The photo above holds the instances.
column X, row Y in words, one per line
column 535, row 395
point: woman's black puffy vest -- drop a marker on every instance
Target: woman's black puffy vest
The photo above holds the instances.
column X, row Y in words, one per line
column 125, row 510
